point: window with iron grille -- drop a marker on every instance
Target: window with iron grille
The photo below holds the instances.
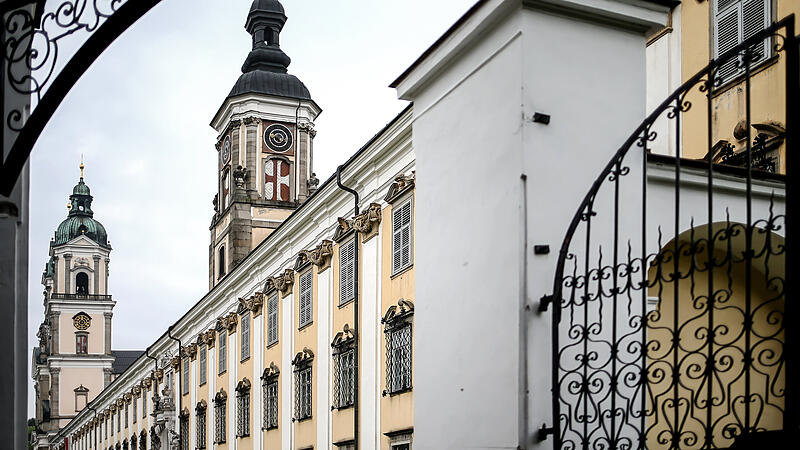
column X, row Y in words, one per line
column 343, row 376
column 222, row 348
column 185, row 432
column 305, row 299
column 143, row 441
column 734, row 22
column 398, row 358
column 202, row 358
column 272, row 319
column 245, row 350
column 347, row 272
column 243, row 414
column 219, row 421
column 185, row 387
column 401, row 237
column 200, row 418
column 302, row 392
column 270, row 386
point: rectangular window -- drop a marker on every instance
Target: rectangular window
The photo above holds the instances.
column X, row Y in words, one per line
column 343, row 378
column 347, row 272
column 185, row 387
column 185, row 432
column 221, row 262
column 272, row 320
column 135, row 401
column 398, row 359
column 302, row 393
column 201, row 364
column 401, row 237
column 270, row 403
column 81, row 398
column 144, row 404
column 305, row 299
column 735, row 21
column 245, row 336
column 126, row 416
column 119, row 420
column 81, row 343
column 201, row 428
column 222, row 349
column 219, row 422
column 243, row 414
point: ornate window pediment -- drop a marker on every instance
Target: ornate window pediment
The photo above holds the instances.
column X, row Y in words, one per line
column 368, row 222
column 345, row 338
column 303, row 358
column 202, row 405
column 243, row 385
column 283, row 282
column 343, row 230
column 228, row 322
column 401, row 185
column 254, row 303
column 398, row 315
column 221, row 396
column 271, row 372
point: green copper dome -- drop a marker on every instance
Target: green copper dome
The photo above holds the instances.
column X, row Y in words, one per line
column 80, row 220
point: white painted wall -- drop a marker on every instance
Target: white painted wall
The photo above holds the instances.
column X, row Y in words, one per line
column 663, row 78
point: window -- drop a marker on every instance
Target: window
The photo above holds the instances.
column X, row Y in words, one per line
column 184, row 431
column 133, row 441
column 343, row 377
column 112, row 422
column 82, row 283
column 81, row 398
column 243, row 408
column 221, row 262
column 226, row 189
column 277, row 180
column 302, row 392
column 144, row 404
column 245, row 336
column 201, row 362
column 401, row 237
column 126, row 416
column 119, row 420
column 347, row 272
column 223, row 341
column 734, row 22
column 143, row 440
column 305, row 299
column 272, row 319
column 135, row 401
column 219, row 417
column 201, row 424
column 82, row 343
column 185, row 386
column 398, row 358
column 270, row 385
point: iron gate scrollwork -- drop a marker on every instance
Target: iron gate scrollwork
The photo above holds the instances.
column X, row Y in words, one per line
column 670, row 296
column 33, row 33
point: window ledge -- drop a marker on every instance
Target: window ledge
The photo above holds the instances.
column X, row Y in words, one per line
column 303, row 419
column 304, row 326
column 274, row 427
column 342, row 305
column 341, row 408
column 219, row 374
column 399, row 392
column 244, row 360
column 401, row 271
column 273, row 344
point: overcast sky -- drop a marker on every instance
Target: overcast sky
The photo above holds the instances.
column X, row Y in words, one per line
column 140, row 119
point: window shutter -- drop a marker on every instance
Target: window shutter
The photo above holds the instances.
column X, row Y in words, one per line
column 305, row 299
column 754, row 20
column 347, row 272
column 272, row 319
column 727, row 37
column 401, row 237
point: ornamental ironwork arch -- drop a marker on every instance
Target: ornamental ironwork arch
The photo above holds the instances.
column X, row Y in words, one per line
column 32, row 34
column 669, row 324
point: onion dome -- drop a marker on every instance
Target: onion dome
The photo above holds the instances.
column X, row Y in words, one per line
column 80, row 219
column 265, row 69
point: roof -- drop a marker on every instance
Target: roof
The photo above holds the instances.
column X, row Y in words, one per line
column 123, row 359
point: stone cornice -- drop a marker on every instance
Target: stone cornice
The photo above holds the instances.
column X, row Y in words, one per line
column 367, row 223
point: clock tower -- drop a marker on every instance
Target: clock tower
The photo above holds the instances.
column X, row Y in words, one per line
column 265, row 145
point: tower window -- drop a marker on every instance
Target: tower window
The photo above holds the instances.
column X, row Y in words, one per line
column 82, row 283
column 82, row 343
column 81, row 397
column 221, row 260
column 277, row 180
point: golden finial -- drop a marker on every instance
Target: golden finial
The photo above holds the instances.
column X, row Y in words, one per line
column 81, row 167
column 69, row 205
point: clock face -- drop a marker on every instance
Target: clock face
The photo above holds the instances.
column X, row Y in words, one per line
column 226, row 150
column 278, row 138
column 82, row 321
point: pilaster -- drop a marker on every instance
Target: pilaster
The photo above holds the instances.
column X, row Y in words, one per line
column 67, row 272
column 108, row 316
column 251, row 156
column 96, row 259
column 56, row 331
column 55, row 382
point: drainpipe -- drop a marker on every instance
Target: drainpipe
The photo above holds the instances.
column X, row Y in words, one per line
column 91, row 408
column 180, row 381
column 356, row 311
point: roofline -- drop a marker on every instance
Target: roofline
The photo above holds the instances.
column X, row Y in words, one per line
column 230, row 98
column 330, row 180
column 701, row 164
column 438, row 42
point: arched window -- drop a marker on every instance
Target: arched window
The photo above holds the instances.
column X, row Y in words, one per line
column 221, row 260
column 82, row 283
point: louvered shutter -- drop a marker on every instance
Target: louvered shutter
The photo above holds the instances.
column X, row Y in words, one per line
column 401, row 237
column 347, row 253
column 734, row 22
column 305, row 299
column 272, row 319
column 754, row 19
column 727, row 36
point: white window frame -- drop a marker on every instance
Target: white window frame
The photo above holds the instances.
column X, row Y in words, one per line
column 185, row 387
column 736, row 7
column 245, row 338
column 306, row 301
column 397, row 207
column 347, row 272
column 273, row 335
column 222, row 350
column 202, row 364
column 270, row 393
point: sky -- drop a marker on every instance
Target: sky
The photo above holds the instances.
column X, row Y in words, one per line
column 140, row 119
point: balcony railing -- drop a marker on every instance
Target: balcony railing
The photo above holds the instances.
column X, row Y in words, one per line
column 80, row 297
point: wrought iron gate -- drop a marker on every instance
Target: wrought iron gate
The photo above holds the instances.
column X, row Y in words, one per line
column 670, row 296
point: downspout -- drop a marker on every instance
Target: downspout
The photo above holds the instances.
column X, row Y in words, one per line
column 180, row 380
column 356, row 311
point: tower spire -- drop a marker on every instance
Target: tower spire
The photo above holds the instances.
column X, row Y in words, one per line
column 265, row 22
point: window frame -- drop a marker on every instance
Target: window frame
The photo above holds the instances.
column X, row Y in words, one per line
column 397, row 206
column 736, row 7
column 202, row 364
column 273, row 319
column 304, row 392
column 201, row 423
column 243, row 413
column 395, row 354
column 344, row 299
column 185, row 374
column 221, row 269
column 344, row 376
column 220, row 420
column 270, row 415
column 308, row 274
column 222, row 351
column 81, row 348
column 244, row 341
column 134, row 410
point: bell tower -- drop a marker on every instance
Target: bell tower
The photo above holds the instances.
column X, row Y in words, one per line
column 265, row 145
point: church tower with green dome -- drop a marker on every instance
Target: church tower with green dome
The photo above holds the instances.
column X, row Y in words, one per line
column 74, row 360
column 264, row 145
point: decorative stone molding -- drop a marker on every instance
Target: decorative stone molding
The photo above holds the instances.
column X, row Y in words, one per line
column 307, row 127
column 208, row 338
column 344, row 338
column 127, row 397
column 283, row 282
column 240, row 175
column 202, row 405
column 304, row 357
column 120, row 403
column 252, row 120
column 320, row 256
column 344, row 228
column 146, row 383
column 220, row 396
column 401, row 185
column 398, row 314
column 175, row 362
column 271, row 372
column 254, row 304
column 228, row 322
column 243, row 385
column 158, row 374
column 136, row 390
column 184, row 412
column 191, row 351
column 234, row 124
column 367, row 223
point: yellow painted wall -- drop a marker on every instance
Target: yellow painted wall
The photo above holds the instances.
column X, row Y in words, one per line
column 245, row 370
column 306, row 430
column 272, row 355
column 341, row 419
column 222, row 383
column 397, row 411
